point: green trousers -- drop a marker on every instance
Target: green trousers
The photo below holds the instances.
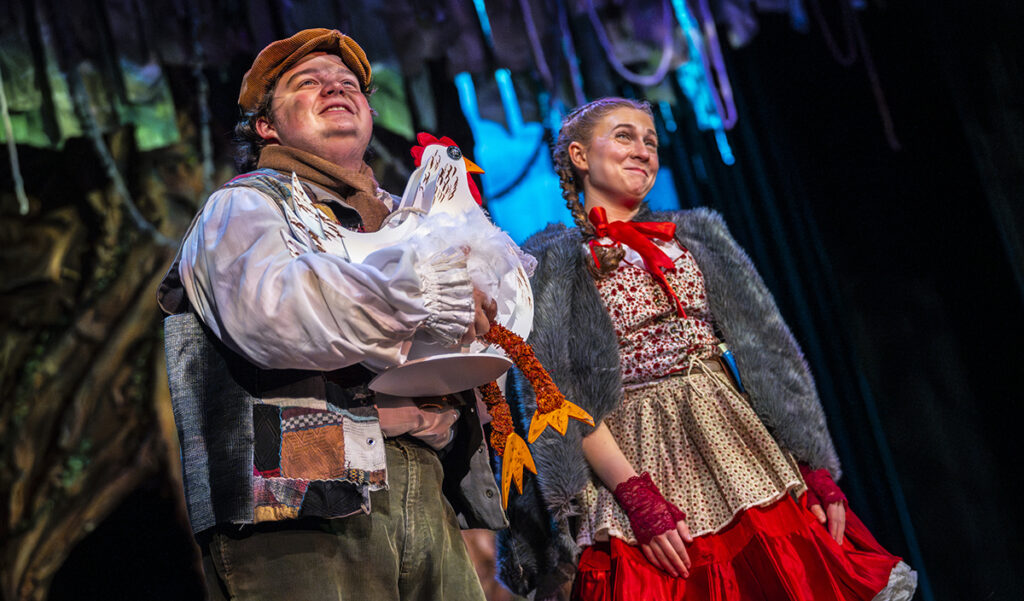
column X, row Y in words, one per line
column 407, row 548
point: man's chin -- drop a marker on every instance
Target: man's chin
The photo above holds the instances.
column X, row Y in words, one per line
column 350, row 134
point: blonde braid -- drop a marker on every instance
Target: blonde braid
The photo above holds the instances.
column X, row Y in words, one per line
column 578, row 126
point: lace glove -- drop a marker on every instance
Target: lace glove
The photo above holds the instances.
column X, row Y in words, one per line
column 649, row 513
column 821, row 488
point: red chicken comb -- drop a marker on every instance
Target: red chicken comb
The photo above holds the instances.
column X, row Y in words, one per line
column 424, row 139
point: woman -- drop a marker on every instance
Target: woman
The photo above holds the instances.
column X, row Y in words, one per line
column 680, row 492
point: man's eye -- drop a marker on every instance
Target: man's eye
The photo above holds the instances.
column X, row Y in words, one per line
column 652, row 144
column 350, row 84
column 622, row 135
column 306, row 82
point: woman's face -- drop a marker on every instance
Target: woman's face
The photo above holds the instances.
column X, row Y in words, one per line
column 620, row 163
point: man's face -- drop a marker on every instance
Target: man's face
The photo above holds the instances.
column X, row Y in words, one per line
column 317, row 107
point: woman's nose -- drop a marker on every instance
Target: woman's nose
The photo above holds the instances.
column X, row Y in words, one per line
column 642, row 152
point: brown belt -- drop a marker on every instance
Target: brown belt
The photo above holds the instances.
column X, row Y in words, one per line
column 714, row 364
column 717, row 364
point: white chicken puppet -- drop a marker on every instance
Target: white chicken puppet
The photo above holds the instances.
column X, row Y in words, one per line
column 439, row 213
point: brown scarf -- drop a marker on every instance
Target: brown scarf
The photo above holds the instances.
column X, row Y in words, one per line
column 357, row 188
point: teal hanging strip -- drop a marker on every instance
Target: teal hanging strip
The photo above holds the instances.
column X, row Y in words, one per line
column 698, row 84
column 485, row 22
column 513, row 114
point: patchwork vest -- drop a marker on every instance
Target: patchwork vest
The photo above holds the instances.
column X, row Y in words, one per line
column 264, row 445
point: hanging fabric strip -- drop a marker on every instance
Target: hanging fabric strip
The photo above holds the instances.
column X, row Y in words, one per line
column 715, row 110
column 692, row 75
column 86, row 115
column 667, row 53
column 538, row 50
column 485, row 22
column 714, row 68
column 844, row 57
column 83, row 109
column 856, row 42
column 202, row 99
column 570, row 56
column 12, row 151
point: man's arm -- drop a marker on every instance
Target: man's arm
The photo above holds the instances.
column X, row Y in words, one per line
column 283, row 306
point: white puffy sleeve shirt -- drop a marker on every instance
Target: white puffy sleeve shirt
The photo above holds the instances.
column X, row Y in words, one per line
column 267, row 287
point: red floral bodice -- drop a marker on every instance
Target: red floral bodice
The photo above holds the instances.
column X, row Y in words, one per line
column 654, row 340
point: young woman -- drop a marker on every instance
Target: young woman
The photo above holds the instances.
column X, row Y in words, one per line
column 688, row 488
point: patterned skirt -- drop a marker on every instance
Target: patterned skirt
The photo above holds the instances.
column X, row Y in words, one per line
column 704, row 447
column 712, row 457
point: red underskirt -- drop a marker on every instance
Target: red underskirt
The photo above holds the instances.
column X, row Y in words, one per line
column 774, row 553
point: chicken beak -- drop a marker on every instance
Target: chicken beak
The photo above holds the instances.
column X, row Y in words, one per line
column 472, row 167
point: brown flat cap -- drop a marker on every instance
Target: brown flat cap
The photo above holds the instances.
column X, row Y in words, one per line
column 282, row 55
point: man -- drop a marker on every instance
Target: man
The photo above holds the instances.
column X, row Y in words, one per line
column 300, row 483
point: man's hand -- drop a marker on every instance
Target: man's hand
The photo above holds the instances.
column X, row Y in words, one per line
column 834, row 516
column 485, row 310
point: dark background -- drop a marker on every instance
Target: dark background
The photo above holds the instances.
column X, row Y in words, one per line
column 914, row 270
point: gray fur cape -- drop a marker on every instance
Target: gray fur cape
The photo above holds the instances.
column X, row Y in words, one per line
column 574, row 339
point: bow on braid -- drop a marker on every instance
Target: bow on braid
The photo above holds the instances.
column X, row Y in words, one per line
column 578, row 126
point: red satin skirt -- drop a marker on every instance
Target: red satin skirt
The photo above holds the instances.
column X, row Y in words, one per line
column 774, row 553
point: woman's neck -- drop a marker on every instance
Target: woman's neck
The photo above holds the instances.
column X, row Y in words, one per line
column 616, row 211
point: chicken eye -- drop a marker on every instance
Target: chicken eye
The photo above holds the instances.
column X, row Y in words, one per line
column 454, row 153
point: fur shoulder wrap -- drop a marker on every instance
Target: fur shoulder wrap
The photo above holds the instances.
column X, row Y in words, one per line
column 574, row 339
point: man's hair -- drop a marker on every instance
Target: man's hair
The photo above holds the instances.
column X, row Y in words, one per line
column 248, row 142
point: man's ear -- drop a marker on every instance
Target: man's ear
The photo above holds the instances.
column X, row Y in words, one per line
column 266, row 129
column 578, row 156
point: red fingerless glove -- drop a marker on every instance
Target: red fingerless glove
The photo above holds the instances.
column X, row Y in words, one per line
column 811, row 498
column 821, row 488
column 649, row 513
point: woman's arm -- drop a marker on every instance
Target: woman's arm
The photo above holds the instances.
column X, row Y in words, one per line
column 605, row 457
column 665, row 550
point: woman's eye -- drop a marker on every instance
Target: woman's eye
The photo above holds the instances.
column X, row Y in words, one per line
column 622, row 135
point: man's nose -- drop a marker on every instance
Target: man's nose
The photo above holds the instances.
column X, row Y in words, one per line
column 332, row 87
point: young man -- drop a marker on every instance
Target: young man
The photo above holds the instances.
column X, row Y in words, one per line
column 300, row 483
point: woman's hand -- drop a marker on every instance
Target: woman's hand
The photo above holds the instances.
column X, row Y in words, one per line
column 834, row 517
column 822, row 490
column 668, row 552
column 659, row 526
column 664, row 545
